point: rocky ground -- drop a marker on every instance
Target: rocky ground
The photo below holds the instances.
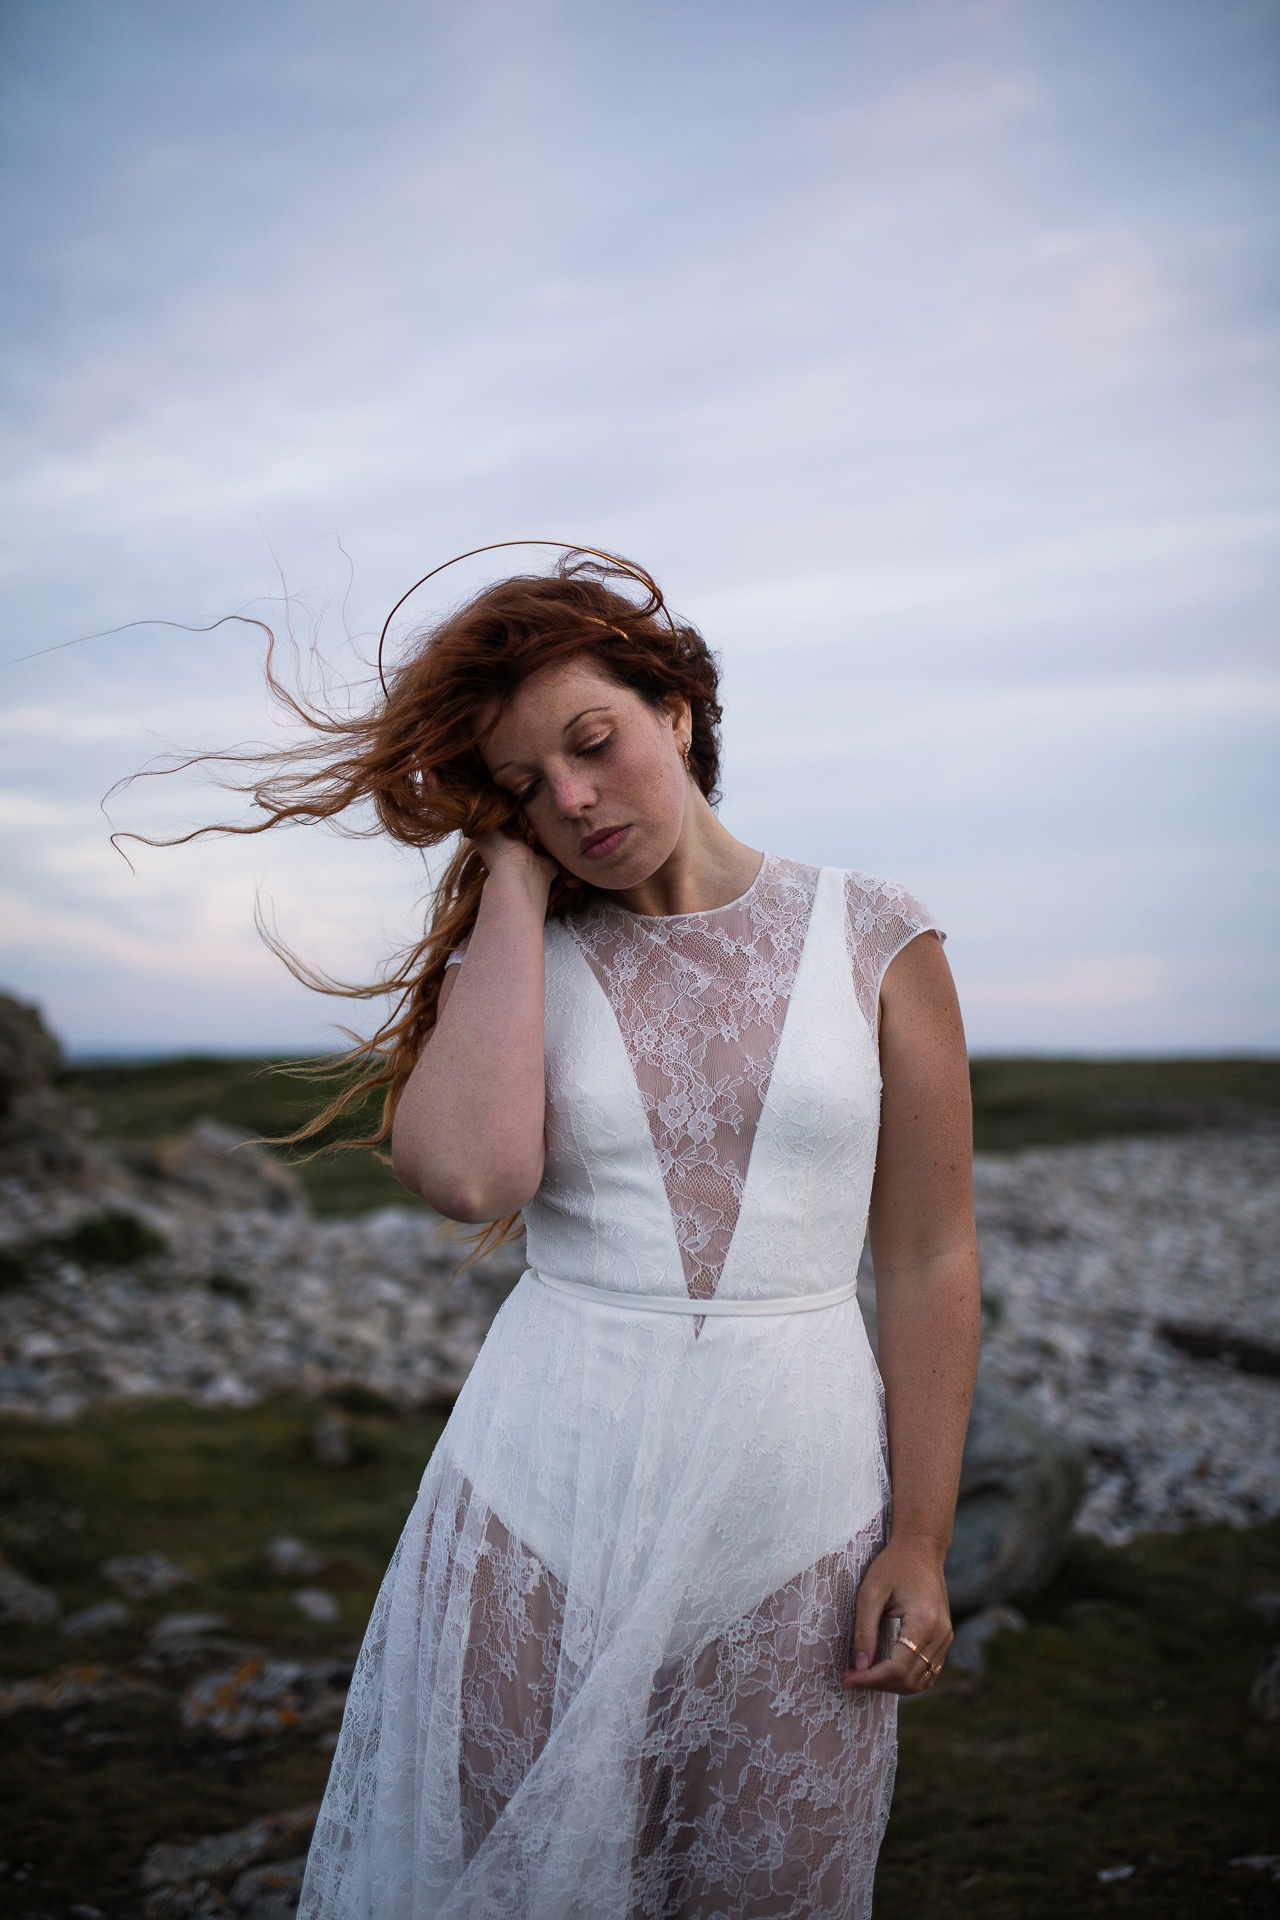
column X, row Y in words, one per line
column 1131, row 1291
column 197, row 1269
column 1130, row 1288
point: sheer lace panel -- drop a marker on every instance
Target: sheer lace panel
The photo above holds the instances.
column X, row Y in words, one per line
column 763, row 1786
column 700, row 999
column 881, row 919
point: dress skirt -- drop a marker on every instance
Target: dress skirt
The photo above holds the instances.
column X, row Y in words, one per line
column 602, row 1677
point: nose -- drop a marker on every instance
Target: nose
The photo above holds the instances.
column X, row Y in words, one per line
column 572, row 794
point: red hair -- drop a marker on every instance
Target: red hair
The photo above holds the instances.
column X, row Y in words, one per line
column 417, row 756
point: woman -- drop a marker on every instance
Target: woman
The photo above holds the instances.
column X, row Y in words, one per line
column 638, row 1650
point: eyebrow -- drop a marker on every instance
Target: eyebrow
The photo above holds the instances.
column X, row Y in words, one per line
column 495, row 771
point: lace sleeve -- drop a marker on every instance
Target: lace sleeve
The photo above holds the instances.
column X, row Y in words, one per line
column 882, row 919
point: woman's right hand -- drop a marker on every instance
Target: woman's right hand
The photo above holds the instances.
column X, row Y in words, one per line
column 502, row 852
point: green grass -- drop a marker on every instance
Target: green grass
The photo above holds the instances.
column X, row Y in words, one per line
column 1115, row 1730
column 1043, row 1102
column 1017, row 1103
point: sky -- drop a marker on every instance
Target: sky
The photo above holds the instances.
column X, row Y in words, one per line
column 925, row 350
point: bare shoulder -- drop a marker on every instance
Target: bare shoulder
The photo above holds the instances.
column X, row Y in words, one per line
column 922, row 1046
column 917, row 982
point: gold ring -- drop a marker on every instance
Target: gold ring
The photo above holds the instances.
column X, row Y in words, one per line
column 904, row 1642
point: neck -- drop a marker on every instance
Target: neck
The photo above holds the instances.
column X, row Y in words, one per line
column 706, row 868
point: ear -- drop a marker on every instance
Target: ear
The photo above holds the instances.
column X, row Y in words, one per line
column 680, row 716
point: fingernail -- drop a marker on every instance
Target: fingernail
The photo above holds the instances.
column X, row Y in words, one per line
column 862, row 1662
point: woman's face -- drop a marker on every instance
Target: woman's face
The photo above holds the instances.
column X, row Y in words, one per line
column 598, row 771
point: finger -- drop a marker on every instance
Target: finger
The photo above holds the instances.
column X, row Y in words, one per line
column 866, row 1625
column 900, row 1672
column 906, row 1667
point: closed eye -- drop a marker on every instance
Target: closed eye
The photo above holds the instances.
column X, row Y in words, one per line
column 597, row 746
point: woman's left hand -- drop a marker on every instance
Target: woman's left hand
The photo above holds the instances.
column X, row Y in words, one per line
column 905, row 1583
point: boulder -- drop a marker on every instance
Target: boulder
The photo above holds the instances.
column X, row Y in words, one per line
column 968, row 1650
column 182, row 1874
column 269, row 1893
column 23, row 1602
column 107, row 1617
column 1021, row 1486
column 29, row 1054
column 319, row 1605
column 264, row 1697
column 1264, row 1695
column 145, row 1576
column 288, row 1555
column 215, row 1166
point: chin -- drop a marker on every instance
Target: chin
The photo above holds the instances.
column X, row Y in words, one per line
column 629, row 867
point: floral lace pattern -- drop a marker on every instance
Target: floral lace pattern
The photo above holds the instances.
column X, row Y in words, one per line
column 700, row 999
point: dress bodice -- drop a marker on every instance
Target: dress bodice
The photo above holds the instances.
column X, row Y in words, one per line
column 713, row 1087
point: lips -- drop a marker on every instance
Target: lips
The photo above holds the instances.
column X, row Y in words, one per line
column 607, row 841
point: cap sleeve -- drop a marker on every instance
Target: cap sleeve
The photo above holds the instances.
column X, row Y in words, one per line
column 881, row 919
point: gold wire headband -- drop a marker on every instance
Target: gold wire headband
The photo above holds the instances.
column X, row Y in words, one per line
column 599, row 553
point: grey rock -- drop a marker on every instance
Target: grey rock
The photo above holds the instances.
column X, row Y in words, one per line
column 145, row 1576
column 1266, row 1603
column 269, row 1893
column 318, row 1605
column 106, row 1617
column 218, row 1166
column 197, row 1900
column 74, row 1686
column 331, row 1440
column 1264, row 1694
column 262, row 1697
column 968, row 1649
column 185, row 1626
column 22, row 1602
column 1021, row 1485
column 290, row 1557
column 232, row 1852
column 29, row 1054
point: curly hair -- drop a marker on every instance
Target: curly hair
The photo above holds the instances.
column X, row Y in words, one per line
column 416, row 756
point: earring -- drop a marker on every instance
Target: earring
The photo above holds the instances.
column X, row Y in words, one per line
column 685, row 757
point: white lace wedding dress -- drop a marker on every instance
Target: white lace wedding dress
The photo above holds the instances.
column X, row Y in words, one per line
column 601, row 1681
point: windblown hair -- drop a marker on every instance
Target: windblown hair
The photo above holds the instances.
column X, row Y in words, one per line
column 416, row 756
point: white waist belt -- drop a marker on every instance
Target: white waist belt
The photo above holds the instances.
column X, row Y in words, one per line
column 683, row 1303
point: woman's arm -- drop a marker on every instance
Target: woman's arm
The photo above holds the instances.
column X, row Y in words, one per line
column 468, row 1132
column 925, row 1249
